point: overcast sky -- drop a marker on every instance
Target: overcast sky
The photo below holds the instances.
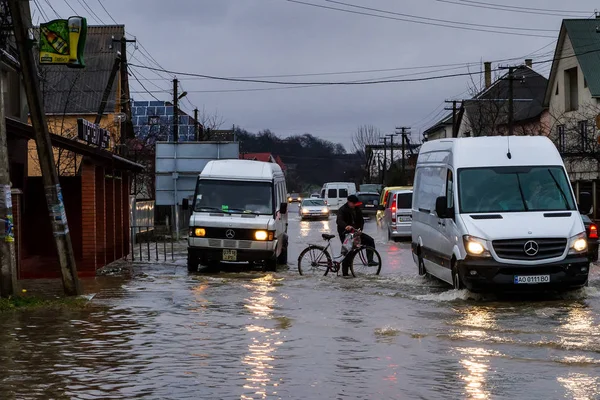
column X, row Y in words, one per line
column 246, row 38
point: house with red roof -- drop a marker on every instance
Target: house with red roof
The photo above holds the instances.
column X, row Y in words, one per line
column 264, row 157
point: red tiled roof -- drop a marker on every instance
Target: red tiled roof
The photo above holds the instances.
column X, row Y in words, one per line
column 264, row 157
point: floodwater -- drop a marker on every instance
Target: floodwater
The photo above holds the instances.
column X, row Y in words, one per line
column 167, row 334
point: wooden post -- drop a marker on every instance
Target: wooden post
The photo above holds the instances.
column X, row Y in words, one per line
column 8, row 273
column 21, row 17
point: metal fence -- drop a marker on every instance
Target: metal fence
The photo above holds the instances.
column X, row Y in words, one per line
column 142, row 213
column 151, row 243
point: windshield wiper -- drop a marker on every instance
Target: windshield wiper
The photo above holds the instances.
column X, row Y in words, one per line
column 211, row 209
column 521, row 192
column 242, row 211
column 562, row 193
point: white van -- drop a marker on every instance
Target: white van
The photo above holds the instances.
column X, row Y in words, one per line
column 239, row 214
column 336, row 193
column 497, row 213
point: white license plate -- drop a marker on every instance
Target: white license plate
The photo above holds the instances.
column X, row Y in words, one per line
column 405, row 219
column 229, row 255
column 369, row 206
column 532, row 279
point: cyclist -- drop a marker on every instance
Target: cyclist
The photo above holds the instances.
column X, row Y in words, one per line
column 350, row 217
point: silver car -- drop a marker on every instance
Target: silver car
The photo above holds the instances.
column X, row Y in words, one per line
column 313, row 209
column 397, row 217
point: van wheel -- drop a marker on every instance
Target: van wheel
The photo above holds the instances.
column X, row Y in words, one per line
column 270, row 265
column 456, row 282
column 192, row 262
column 283, row 257
column 421, row 262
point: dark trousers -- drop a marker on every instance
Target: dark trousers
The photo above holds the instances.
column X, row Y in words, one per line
column 365, row 240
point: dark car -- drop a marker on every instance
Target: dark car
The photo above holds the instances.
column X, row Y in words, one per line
column 592, row 235
column 370, row 201
column 294, row 198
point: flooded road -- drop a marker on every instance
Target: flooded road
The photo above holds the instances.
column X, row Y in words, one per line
column 166, row 334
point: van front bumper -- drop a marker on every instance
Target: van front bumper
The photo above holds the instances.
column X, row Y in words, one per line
column 212, row 254
column 489, row 275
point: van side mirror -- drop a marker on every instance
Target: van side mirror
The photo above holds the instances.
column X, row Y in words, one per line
column 586, row 203
column 441, row 207
column 283, row 208
column 185, row 204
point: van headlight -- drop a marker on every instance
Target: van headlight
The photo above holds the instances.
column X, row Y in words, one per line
column 325, row 210
column 198, row 232
column 305, row 211
column 475, row 246
column 264, row 235
column 578, row 244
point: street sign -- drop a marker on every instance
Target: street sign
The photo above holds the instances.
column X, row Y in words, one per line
column 62, row 42
column 92, row 133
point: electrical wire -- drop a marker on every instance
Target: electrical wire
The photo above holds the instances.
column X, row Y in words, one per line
column 107, row 13
column 72, row 9
column 524, row 8
column 87, row 7
column 52, row 8
column 141, row 84
column 41, row 10
column 440, row 20
column 413, row 21
column 498, row 7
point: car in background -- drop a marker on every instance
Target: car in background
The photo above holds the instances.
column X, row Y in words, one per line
column 591, row 230
column 369, row 203
column 397, row 214
column 370, row 187
column 294, row 198
column 313, row 209
column 315, row 196
column 384, row 196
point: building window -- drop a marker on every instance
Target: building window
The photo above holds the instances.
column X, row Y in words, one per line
column 583, row 131
column 562, row 142
column 571, row 90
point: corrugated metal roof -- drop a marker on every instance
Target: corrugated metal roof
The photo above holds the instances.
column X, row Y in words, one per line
column 586, row 44
column 79, row 91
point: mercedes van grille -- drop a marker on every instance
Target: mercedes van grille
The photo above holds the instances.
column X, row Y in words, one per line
column 515, row 249
column 230, row 244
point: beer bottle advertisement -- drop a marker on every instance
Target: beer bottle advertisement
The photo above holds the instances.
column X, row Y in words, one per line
column 62, row 42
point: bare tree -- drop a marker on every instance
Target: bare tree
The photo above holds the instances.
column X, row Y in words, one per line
column 365, row 136
column 210, row 122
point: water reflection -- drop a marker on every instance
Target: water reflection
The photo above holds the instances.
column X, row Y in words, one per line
column 308, row 228
column 476, row 363
column 581, row 386
column 263, row 341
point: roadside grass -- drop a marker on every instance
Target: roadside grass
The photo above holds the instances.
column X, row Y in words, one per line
column 18, row 303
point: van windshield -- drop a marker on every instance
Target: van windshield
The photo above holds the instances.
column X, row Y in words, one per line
column 514, row 189
column 234, row 197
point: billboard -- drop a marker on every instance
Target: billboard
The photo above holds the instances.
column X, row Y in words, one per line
column 62, row 42
column 92, row 133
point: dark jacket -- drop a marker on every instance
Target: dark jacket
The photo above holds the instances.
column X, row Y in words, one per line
column 348, row 216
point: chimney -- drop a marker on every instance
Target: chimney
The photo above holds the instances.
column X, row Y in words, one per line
column 529, row 62
column 488, row 74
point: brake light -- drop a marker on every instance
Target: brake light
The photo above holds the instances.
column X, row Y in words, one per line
column 593, row 231
column 394, row 208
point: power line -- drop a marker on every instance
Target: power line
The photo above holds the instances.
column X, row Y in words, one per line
column 499, row 7
column 440, row 20
column 415, row 22
column 141, row 84
column 86, row 6
column 52, row 8
column 107, row 13
column 41, row 10
column 273, row 82
column 72, row 9
column 525, row 8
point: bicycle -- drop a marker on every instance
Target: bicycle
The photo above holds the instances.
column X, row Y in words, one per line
column 320, row 259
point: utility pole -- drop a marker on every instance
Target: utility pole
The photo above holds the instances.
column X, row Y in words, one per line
column 384, row 158
column 21, row 18
column 454, row 117
column 175, row 111
column 108, row 88
column 391, row 136
column 404, row 130
column 126, row 123
column 196, row 130
column 511, row 98
column 8, row 270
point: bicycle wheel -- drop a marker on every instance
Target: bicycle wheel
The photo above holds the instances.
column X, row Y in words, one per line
column 360, row 265
column 314, row 260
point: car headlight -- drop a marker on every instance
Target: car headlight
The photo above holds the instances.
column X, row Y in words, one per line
column 261, row 235
column 475, row 246
column 325, row 210
column 289, row 199
column 578, row 244
column 199, row 232
column 305, row 211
